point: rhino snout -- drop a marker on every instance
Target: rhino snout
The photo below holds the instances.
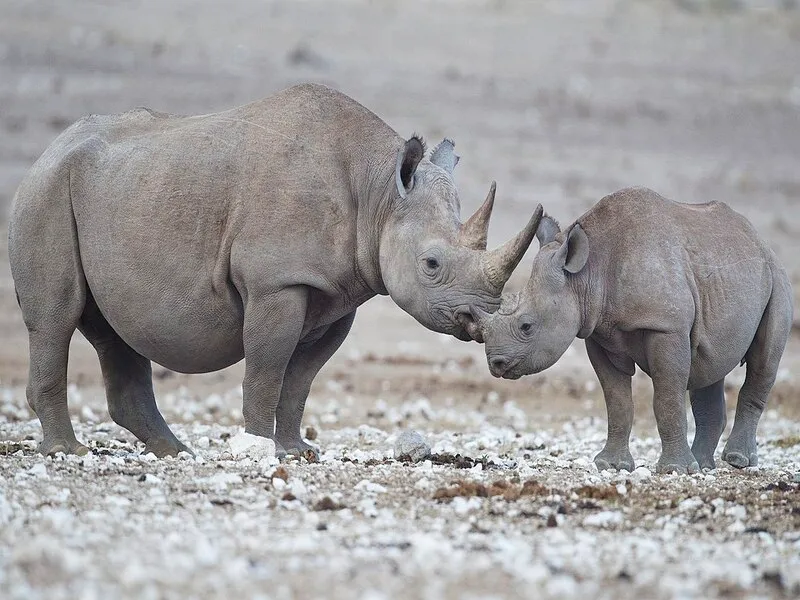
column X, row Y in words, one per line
column 503, row 366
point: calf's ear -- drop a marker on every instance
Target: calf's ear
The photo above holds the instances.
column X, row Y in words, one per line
column 407, row 161
column 574, row 252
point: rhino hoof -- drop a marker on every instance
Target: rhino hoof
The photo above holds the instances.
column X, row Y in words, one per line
column 739, row 460
column 622, row 461
column 162, row 447
column 53, row 447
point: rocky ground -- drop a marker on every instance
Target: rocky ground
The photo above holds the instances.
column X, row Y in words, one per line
column 561, row 102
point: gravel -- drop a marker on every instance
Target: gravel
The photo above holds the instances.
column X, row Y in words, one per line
column 494, row 510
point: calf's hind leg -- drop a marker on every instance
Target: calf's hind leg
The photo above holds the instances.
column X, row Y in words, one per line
column 763, row 358
column 669, row 357
column 129, row 385
column 708, row 408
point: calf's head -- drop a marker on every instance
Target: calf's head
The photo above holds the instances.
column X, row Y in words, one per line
column 533, row 328
column 434, row 267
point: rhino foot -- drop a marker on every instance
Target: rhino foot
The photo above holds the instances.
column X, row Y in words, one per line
column 740, row 452
column 677, row 462
column 161, row 447
column 704, row 459
column 54, row 446
column 301, row 449
column 620, row 460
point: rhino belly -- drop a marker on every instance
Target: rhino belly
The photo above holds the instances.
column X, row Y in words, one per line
column 173, row 317
column 720, row 342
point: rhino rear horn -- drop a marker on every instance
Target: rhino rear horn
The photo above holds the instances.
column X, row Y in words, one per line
column 444, row 156
column 474, row 232
column 499, row 264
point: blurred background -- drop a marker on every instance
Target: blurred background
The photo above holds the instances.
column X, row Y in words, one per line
column 560, row 101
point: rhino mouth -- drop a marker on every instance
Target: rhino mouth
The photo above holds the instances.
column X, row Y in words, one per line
column 502, row 366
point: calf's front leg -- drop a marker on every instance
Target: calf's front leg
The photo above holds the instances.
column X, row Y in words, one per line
column 669, row 357
column 619, row 404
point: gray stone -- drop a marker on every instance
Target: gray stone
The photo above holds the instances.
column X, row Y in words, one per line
column 410, row 445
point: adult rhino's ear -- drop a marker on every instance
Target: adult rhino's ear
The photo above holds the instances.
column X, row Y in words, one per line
column 547, row 230
column 444, row 156
column 574, row 252
column 407, row 161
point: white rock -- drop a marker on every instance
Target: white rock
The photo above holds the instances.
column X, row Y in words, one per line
column 737, row 511
column 422, row 484
column 6, row 512
column 690, row 504
column 370, row 486
column 255, row 446
column 463, row 506
column 298, row 488
column 38, row 470
column 605, row 518
column 413, row 445
column 223, row 480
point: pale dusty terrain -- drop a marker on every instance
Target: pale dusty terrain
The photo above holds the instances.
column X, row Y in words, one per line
column 561, row 103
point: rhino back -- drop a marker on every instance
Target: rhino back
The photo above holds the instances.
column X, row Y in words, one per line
column 669, row 266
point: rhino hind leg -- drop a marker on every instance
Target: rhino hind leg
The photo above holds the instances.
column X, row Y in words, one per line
column 50, row 289
column 762, row 358
column 127, row 376
column 708, row 408
column 303, row 367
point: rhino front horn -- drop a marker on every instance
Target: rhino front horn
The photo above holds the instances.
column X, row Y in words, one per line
column 498, row 264
column 475, row 231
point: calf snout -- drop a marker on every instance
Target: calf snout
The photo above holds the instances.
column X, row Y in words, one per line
column 499, row 365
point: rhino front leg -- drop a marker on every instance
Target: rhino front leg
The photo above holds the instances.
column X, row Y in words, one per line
column 669, row 358
column 708, row 408
column 619, row 405
column 273, row 325
column 763, row 358
column 307, row 360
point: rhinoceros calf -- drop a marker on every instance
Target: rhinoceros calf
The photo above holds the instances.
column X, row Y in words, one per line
column 254, row 233
column 685, row 291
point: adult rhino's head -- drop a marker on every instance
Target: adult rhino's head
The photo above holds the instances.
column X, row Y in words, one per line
column 433, row 266
column 533, row 328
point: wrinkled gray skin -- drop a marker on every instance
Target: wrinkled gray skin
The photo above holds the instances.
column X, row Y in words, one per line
column 254, row 233
column 686, row 292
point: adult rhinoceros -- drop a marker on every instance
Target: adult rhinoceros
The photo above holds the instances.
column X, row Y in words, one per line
column 256, row 232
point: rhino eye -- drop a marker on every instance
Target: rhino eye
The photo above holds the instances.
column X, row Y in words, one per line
column 526, row 327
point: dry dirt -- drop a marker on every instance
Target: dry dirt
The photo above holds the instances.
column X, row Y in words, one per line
column 561, row 102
